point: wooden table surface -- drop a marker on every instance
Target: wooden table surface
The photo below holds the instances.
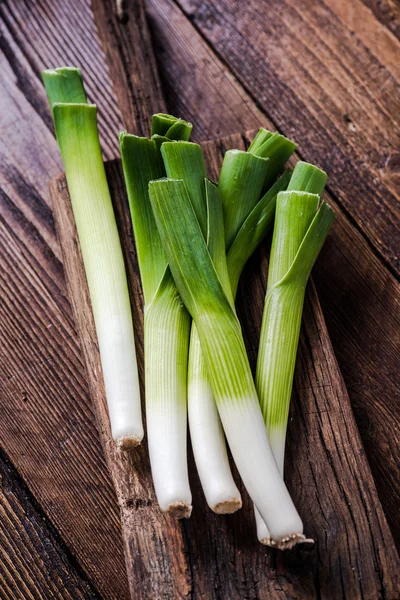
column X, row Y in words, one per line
column 326, row 74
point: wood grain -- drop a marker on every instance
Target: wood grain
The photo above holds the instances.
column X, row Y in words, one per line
column 360, row 21
column 360, row 298
column 326, row 469
column 41, row 566
column 197, row 84
column 126, row 43
column 387, row 12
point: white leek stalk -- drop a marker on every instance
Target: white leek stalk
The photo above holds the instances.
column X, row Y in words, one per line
column 208, row 440
column 225, row 355
column 207, row 437
column 166, row 321
column 299, row 233
column 77, row 135
column 241, row 181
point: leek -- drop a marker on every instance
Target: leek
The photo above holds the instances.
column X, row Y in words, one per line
column 206, row 433
column 166, row 321
column 242, row 178
column 76, row 129
column 225, row 355
column 207, row 436
column 299, row 233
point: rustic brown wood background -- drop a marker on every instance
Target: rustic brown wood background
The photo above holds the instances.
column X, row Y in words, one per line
column 325, row 73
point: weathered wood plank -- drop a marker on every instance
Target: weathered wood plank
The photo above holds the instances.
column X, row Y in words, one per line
column 126, row 43
column 319, row 84
column 327, row 471
column 34, row 562
column 387, row 12
column 196, row 83
column 358, row 19
column 360, row 298
column 47, row 423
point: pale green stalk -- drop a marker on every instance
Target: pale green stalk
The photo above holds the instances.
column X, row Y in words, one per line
column 64, row 85
column 299, row 233
column 224, row 351
column 240, row 198
column 77, row 135
column 207, row 436
column 240, row 183
column 166, row 323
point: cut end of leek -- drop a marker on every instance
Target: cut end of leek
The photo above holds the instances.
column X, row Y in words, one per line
column 286, row 543
column 307, row 178
column 261, row 136
column 179, row 510
column 227, row 507
column 127, row 442
column 64, row 85
column 170, row 127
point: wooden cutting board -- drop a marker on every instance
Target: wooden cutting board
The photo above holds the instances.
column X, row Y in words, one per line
column 211, row 556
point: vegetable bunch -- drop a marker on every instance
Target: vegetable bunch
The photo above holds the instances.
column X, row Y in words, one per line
column 193, row 238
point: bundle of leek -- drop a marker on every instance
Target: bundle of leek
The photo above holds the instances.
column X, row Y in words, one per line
column 76, row 129
column 246, row 221
column 299, row 234
column 203, row 284
column 193, row 240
